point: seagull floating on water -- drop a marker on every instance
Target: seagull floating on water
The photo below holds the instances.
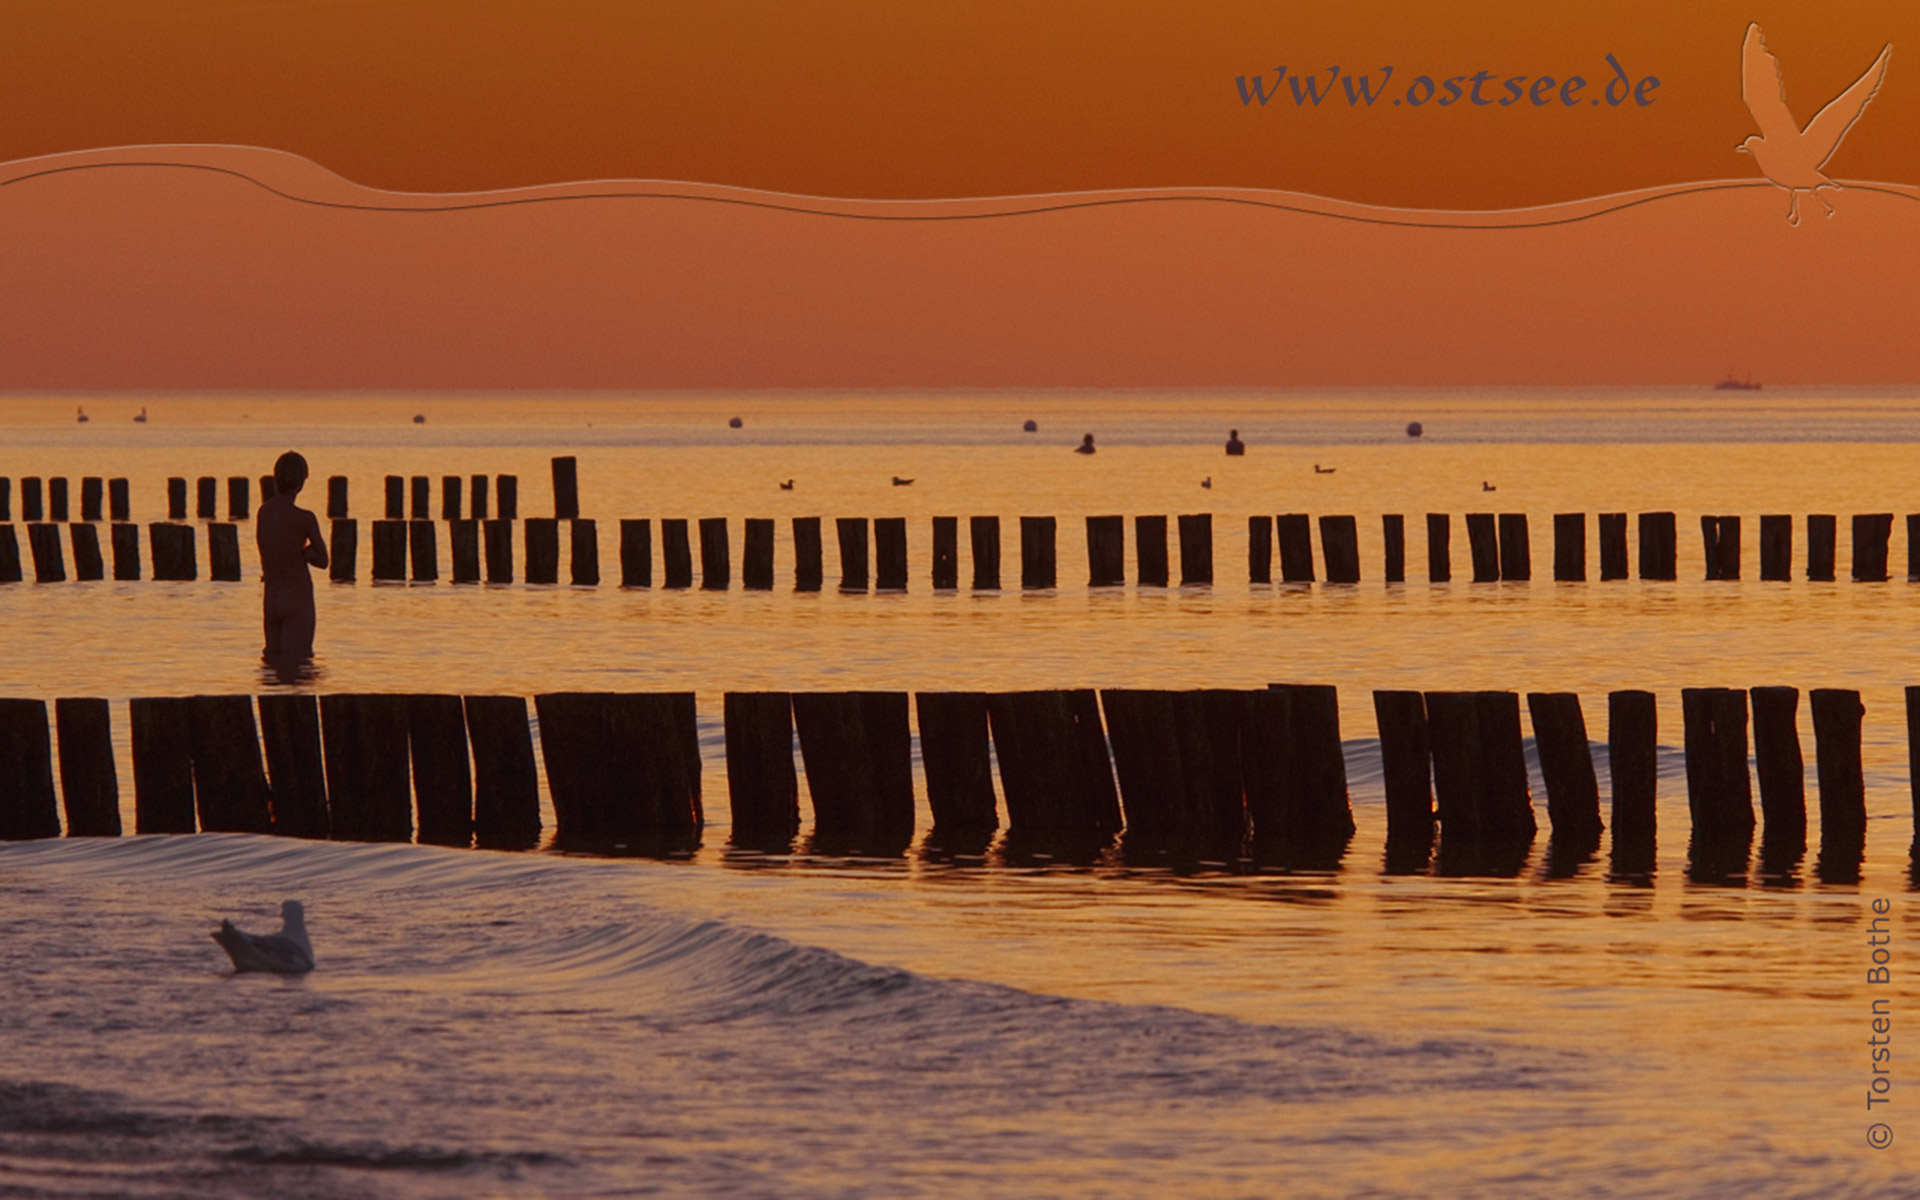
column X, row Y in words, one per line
column 285, row 953
column 1487, row 487
column 140, row 418
column 899, row 482
column 1788, row 155
column 787, row 486
column 83, row 418
column 1207, row 482
column 1320, row 470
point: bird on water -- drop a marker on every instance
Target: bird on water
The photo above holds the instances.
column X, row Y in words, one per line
column 1789, row 156
column 288, row 952
column 787, row 486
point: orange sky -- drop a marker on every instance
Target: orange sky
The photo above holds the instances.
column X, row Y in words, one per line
column 888, row 98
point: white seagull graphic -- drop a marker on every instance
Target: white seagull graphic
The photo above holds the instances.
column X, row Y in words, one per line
column 1787, row 154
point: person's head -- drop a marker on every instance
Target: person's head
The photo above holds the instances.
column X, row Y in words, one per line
column 1233, row 433
column 1088, row 440
column 289, row 473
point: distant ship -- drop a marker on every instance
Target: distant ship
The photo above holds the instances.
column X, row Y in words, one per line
column 1730, row 384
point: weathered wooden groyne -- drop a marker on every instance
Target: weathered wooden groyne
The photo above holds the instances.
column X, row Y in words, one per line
column 1215, row 773
column 479, row 516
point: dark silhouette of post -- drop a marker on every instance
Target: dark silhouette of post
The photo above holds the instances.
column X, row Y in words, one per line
column 1634, row 767
column 1871, row 532
column 716, row 566
column 1340, row 545
column 763, row 789
column 890, row 554
column 1836, row 732
column 1658, row 535
column 1295, row 534
column 1821, row 535
column 1393, row 536
column 1106, row 566
column 808, row 572
column 1570, row 547
column 583, row 552
column 1439, row 548
column 1776, row 547
column 959, row 768
column 543, row 550
column 506, row 800
column 1196, row 548
column 566, row 487
column 756, row 555
column 1779, row 764
column 1516, row 552
column 1259, row 549
column 946, row 553
column 636, row 552
column 851, row 533
column 27, row 806
column 89, row 782
column 1037, row 566
column 1150, row 551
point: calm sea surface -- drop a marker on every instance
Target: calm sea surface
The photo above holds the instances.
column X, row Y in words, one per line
column 782, row 1025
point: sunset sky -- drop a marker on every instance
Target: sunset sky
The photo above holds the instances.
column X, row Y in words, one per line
column 878, row 98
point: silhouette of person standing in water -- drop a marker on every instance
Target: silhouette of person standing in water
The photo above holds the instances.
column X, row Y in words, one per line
column 289, row 540
column 1085, row 446
column 1235, row 446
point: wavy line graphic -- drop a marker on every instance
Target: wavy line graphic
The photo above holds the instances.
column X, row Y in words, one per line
column 300, row 180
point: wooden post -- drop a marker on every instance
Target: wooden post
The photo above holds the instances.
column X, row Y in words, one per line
column 223, row 551
column 229, row 782
column 762, row 788
column 858, row 758
column 267, row 488
column 566, row 487
column 118, row 507
column 716, row 568
column 1145, row 738
column 239, row 498
column 543, row 550
column 296, row 770
column 1913, row 546
column 126, row 552
column 206, row 498
column 1037, row 567
column 1721, row 538
column 1106, row 553
column 1150, row 551
column 176, row 498
column 162, row 765
column 890, row 554
column 477, row 497
column 1719, row 790
column 89, row 784
column 1295, row 534
column 636, row 552
column 621, row 767
column 337, row 498
column 57, row 499
column 171, row 547
column 1439, row 548
column 1259, row 549
column 852, row 535
column 463, row 545
column 506, row 796
column 498, row 537
column 1054, row 771
column 809, row 570
column 422, row 496
column 1569, row 548
column 6, row 499
column 364, row 743
column 506, row 494
column 1870, row 534
column 984, row 535
column 1778, row 762
column 1776, row 547
column 959, row 768
column 1196, row 548
column 1340, row 546
column 1566, row 765
column 49, row 559
column 9, row 555
column 389, row 550
column 946, row 553
column 756, row 555
column 1393, row 534
column 1483, row 542
column 87, row 561
column 1821, row 535
column 1836, row 736
column 396, row 498
column 676, row 553
column 32, row 505
column 1913, row 756
column 1516, row 554
column 1406, row 766
column 92, row 497
column 1634, row 766
column 343, row 551
column 442, row 783
column 1657, row 545
column 27, row 807
column 1295, row 773
column 583, row 552
column 1480, row 767
column 450, row 497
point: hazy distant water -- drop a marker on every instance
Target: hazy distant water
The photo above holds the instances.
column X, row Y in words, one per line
column 529, row 1024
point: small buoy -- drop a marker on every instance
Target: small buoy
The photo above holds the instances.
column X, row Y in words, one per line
column 419, row 418
column 735, row 423
column 1031, row 427
column 1414, row 429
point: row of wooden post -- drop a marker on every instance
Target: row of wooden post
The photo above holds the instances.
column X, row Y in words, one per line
column 1499, row 547
column 1211, row 770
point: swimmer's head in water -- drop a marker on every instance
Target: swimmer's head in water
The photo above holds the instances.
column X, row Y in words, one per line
column 290, row 472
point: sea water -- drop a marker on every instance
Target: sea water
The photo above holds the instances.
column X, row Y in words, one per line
column 742, row 1023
